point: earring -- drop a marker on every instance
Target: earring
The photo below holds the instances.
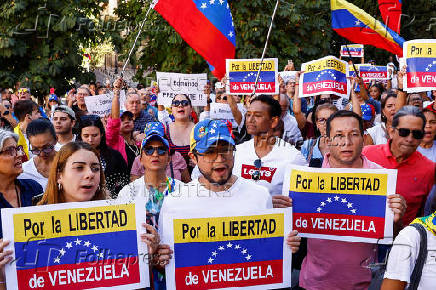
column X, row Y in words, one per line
column 60, row 188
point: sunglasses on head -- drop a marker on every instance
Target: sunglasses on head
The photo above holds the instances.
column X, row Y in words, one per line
column 416, row 134
column 256, row 174
column 149, row 150
column 177, row 103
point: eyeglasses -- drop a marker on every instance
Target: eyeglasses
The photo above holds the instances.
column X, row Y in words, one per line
column 212, row 154
column 149, row 150
column 256, row 174
column 47, row 150
column 177, row 103
column 321, row 120
column 416, row 134
column 13, row 151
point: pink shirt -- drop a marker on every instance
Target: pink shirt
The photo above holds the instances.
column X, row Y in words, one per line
column 335, row 264
column 414, row 180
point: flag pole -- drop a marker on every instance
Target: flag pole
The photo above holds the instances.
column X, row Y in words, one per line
column 152, row 4
column 265, row 47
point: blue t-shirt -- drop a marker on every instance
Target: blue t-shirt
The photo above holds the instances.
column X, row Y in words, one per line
column 28, row 189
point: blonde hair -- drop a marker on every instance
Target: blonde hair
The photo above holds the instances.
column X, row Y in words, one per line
column 52, row 194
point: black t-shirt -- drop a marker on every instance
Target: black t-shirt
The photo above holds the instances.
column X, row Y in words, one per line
column 131, row 152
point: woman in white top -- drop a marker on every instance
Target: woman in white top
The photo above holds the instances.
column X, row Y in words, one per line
column 378, row 134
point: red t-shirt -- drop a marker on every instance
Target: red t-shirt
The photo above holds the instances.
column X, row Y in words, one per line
column 415, row 176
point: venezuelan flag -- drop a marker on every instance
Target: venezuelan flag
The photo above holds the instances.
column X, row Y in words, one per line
column 358, row 26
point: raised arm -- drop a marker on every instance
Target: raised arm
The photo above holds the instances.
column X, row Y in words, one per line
column 401, row 95
column 296, row 105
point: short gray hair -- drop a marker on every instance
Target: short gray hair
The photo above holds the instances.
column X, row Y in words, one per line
column 6, row 134
column 408, row 111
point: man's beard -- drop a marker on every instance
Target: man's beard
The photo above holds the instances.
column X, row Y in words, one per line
column 222, row 182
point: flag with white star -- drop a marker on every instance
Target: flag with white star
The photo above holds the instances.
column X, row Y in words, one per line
column 206, row 25
column 370, row 72
column 230, row 255
column 342, row 204
column 420, row 56
column 357, row 26
column 84, row 245
column 327, row 75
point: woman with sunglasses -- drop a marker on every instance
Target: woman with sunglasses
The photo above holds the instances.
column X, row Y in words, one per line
column 179, row 131
column 91, row 131
column 14, row 192
column 42, row 139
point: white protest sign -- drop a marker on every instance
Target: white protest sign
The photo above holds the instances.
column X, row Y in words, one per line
column 99, row 105
column 220, row 111
column 172, row 84
column 288, row 76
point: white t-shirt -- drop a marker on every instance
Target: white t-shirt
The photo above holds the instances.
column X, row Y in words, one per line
column 403, row 255
column 58, row 145
column 273, row 165
column 378, row 134
column 430, row 153
column 292, row 133
column 30, row 172
column 194, row 197
column 137, row 188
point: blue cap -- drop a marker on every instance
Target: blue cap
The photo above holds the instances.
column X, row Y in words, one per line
column 208, row 132
column 154, row 131
column 366, row 112
column 357, row 88
column 53, row 97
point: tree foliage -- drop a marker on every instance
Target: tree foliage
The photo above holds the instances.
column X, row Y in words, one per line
column 41, row 42
column 301, row 32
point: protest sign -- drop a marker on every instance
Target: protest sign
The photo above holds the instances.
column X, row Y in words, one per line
column 355, row 50
column 420, row 58
column 220, row 111
column 229, row 251
column 288, row 76
column 341, row 204
column 370, row 72
column 327, row 75
column 242, row 75
column 351, row 71
column 100, row 105
column 172, row 84
column 83, row 245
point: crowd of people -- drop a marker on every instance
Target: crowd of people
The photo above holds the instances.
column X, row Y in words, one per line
column 56, row 152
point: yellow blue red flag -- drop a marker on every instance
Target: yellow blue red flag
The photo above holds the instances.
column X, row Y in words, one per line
column 356, row 25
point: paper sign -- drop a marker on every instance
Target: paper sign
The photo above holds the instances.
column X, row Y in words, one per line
column 351, row 71
column 240, row 251
column 327, row 75
column 242, row 75
column 370, row 72
column 83, row 245
column 172, row 84
column 342, row 204
column 420, row 58
column 288, row 76
column 100, row 105
column 355, row 50
column 220, row 111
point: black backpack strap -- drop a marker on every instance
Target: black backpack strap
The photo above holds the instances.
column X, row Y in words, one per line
column 415, row 278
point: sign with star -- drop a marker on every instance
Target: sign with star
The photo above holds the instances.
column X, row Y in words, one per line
column 327, row 75
column 243, row 250
column 353, row 50
column 82, row 245
column 343, row 204
column 369, row 72
column 242, row 74
column 420, row 55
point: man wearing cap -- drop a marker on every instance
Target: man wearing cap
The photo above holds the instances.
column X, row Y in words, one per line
column 213, row 149
column 63, row 121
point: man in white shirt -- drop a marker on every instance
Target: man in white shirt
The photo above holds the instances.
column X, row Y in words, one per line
column 212, row 149
column 263, row 159
column 63, row 121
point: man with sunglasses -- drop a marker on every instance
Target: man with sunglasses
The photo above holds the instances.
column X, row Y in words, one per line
column 415, row 172
column 263, row 160
column 42, row 138
column 213, row 149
